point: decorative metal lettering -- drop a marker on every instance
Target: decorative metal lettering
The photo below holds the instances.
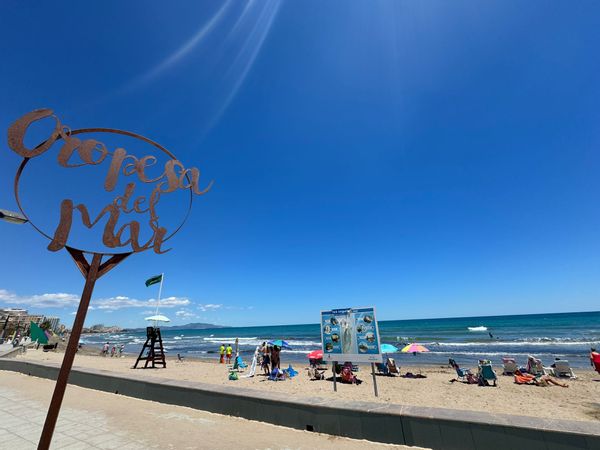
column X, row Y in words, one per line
column 92, row 152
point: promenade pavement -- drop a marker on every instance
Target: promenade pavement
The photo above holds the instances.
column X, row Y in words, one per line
column 97, row 420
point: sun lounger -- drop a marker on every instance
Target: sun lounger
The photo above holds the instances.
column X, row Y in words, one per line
column 535, row 367
column 486, row 373
column 392, row 368
column 509, row 366
column 562, row 368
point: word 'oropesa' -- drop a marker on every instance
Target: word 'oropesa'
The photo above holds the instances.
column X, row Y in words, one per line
column 92, row 152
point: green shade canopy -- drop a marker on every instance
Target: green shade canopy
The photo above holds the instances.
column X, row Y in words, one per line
column 37, row 334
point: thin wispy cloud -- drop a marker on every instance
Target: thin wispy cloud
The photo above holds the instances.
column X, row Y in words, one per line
column 209, row 307
column 181, row 52
column 185, row 314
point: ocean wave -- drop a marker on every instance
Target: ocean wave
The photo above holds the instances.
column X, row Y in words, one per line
column 533, row 343
column 479, row 328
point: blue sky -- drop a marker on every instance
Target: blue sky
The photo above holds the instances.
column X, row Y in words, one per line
column 432, row 159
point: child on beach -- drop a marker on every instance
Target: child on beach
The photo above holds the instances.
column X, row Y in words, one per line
column 113, row 351
column 121, row 348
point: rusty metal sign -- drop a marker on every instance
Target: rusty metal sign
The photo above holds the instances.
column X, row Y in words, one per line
column 92, row 152
column 74, row 151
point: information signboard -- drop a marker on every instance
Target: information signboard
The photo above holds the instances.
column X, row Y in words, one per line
column 350, row 334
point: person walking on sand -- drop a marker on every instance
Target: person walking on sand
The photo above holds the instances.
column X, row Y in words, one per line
column 113, row 351
column 228, row 352
column 105, row 349
column 222, row 353
column 121, row 348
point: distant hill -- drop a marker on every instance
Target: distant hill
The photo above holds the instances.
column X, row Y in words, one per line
column 189, row 326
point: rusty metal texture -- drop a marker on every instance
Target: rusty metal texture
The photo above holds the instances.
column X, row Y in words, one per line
column 92, row 152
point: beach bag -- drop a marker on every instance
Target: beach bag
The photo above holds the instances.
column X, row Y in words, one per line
column 233, row 376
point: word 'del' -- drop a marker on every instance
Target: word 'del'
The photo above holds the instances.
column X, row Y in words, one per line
column 92, row 152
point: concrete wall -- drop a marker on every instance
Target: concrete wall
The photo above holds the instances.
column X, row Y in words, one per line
column 424, row 427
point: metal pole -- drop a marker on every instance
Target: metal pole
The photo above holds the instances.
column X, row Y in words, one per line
column 162, row 277
column 65, row 369
column 333, row 364
column 374, row 379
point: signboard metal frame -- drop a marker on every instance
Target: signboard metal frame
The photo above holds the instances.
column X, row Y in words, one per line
column 351, row 357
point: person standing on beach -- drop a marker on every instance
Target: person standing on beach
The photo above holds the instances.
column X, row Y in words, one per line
column 222, row 353
column 105, row 349
column 266, row 360
column 228, row 352
column 275, row 358
column 121, row 348
column 593, row 354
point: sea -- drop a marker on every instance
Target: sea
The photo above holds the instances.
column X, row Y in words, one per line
column 468, row 339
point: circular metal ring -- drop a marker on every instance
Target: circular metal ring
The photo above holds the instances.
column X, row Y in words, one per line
column 103, row 130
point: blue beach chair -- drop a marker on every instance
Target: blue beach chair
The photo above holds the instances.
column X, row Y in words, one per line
column 486, row 373
column 462, row 374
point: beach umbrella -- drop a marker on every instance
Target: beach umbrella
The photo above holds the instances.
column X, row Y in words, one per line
column 280, row 343
column 388, row 348
column 414, row 348
column 316, row 354
column 158, row 318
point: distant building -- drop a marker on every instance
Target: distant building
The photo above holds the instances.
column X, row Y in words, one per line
column 54, row 322
column 17, row 320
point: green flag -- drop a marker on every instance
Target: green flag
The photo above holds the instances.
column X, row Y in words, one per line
column 153, row 280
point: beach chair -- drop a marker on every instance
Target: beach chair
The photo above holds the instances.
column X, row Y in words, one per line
column 347, row 375
column 535, row 367
column 562, row 368
column 238, row 364
column 509, row 366
column 382, row 368
column 180, row 358
column 462, row 374
column 391, row 366
column 486, row 373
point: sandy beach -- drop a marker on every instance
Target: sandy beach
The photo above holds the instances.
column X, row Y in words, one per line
column 577, row 402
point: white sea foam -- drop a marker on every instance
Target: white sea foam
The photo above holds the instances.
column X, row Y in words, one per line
column 496, row 343
column 479, row 328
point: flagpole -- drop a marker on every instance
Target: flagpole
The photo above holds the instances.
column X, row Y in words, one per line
column 162, row 277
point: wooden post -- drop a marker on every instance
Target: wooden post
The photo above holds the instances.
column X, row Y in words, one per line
column 374, row 379
column 65, row 368
column 333, row 364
